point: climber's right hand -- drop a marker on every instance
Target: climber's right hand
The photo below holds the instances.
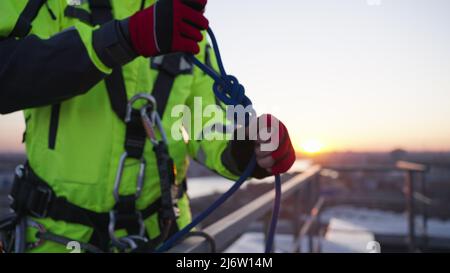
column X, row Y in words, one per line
column 168, row 26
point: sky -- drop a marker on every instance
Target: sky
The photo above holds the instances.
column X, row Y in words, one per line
column 361, row 75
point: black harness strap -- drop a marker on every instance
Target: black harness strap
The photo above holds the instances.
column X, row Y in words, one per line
column 33, row 196
column 24, row 22
column 161, row 91
column 170, row 66
column 169, row 69
column 117, row 94
column 125, row 208
column 80, row 14
column 135, row 136
column 101, row 12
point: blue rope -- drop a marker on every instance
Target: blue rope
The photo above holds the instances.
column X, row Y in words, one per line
column 275, row 215
column 228, row 90
column 226, row 87
column 180, row 234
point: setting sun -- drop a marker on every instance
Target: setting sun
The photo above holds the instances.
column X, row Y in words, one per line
column 311, row 146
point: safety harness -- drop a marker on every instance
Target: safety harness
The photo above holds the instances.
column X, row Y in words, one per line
column 32, row 196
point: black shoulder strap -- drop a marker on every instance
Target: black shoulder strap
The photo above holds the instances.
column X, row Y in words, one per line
column 80, row 14
column 23, row 24
column 169, row 66
column 101, row 12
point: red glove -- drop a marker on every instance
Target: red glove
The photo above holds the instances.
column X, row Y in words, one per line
column 273, row 149
column 168, row 26
column 275, row 153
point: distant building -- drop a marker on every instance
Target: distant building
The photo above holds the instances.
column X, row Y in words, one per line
column 398, row 154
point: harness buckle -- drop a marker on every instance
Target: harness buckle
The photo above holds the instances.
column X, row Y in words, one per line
column 44, row 198
column 19, row 174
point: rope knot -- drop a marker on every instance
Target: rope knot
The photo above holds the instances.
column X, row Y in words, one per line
column 230, row 91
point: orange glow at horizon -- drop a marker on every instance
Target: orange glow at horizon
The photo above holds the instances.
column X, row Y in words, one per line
column 310, row 146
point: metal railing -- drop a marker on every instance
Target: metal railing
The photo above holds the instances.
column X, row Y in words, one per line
column 410, row 170
column 308, row 205
column 229, row 228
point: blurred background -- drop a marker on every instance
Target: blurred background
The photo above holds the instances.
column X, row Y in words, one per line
column 361, row 85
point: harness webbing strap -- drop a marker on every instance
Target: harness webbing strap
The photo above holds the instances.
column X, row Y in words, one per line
column 115, row 86
column 169, row 211
column 23, row 25
column 135, row 139
column 135, row 136
column 33, row 196
column 161, row 91
column 101, row 12
column 169, row 68
column 80, row 14
column 161, row 88
column 124, row 210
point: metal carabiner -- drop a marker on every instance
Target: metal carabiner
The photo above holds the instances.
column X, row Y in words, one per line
column 150, row 122
column 142, row 96
column 139, row 186
column 151, row 102
column 140, row 180
column 112, row 227
column 132, row 242
column 41, row 230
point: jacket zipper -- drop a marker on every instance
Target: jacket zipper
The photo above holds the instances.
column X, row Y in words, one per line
column 54, row 123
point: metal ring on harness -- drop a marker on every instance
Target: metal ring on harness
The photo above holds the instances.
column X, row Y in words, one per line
column 142, row 96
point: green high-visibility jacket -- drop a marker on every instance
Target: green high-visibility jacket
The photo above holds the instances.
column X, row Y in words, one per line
column 74, row 139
